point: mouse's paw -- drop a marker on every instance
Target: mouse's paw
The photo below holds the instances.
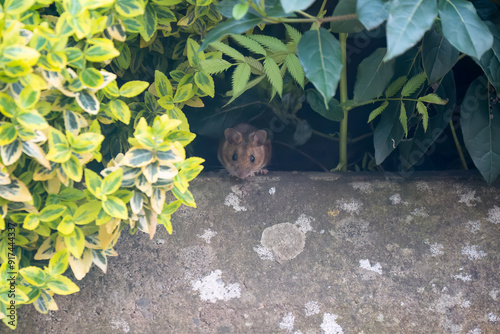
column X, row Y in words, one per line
column 263, row 171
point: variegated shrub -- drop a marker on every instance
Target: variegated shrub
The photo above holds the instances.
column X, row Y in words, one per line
column 68, row 74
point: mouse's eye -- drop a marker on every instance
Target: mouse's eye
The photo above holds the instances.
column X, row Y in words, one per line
column 252, row 158
column 235, row 157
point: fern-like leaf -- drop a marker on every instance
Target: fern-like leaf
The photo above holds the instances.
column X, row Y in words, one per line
column 395, row 86
column 403, row 119
column 422, row 110
column 295, row 69
column 293, row 33
column 273, row 74
column 413, row 84
column 229, row 51
column 271, row 43
column 377, row 111
column 240, row 78
column 250, row 44
column 433, row 98
column 214, row 66
column 255, row 66
column 249, row 85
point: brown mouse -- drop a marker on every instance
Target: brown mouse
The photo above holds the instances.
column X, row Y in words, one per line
column 244, row 150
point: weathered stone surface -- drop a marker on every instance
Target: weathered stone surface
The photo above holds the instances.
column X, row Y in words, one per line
column 381, row 255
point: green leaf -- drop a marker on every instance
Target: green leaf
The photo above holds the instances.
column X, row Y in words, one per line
column 334, row 111
column 403, row 119
column 73, row 168
column 15, row 191
column 183, row 93
column 185, row 197
column 240, row 10
column 11, row 153
column 91, row 77
column 28, row 97
column 229, row 51
column 137, row 157
column 150, row 23
column 58, row 263
column 481, row 128
column 32, row 120
column 75, row 243
column 319, row 54
column 51, row 212
column 294, row 67
column 111, row 183
column 171, row 207
column 115, row 207
column 62, row 285
column 438, row 56
column 66, row 227
column 411, row 151
column 395, row 86
column 490, row 61
column 372, row 13
column 120, row 110
column 295, row 5
column 346, row 26
column 432, row 98
column 377, row 111
column 8, row 133
column 229, row 27
column 33, row 275
column 373, row 76
column 8, row 106
column 136, row 202
column 250, row 44
column 163, row 85
column 422, row 110
column 129, row 8
column 86, row 213
column 101, row 52
column 17, row 7
column 463, row 28
column 93, row 182
column 272, row 43
column 407, row 22
column 273, row 74
column 71, row 195
column 87, row 101
column 214, row 66
column 413, row 84
column 240, row 78
column 205, row 83
column 31, row 221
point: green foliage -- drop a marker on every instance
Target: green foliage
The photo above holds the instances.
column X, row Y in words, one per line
column 70, row 95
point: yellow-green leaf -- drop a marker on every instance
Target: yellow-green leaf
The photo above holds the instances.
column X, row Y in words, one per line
column 86, row 213
column 205, row 83
column 59, row 262
column 31, row 221
column 183, row 93
column 33, row 275
column 112, row 182
column 91, row 77
column 93, row 182
column 32, row 120
column 115, row 207
column 75, row 242
column 51, row 212
column 66, row 226
column 120, row 110
column 8, row 133
column 133, row 88
column 138, row 157
column 28, row 97
column 62, row 285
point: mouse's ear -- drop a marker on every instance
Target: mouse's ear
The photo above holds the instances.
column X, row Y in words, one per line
column 233, row 136
column 258, row 137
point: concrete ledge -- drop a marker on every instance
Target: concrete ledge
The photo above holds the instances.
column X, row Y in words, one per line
column 303, row 253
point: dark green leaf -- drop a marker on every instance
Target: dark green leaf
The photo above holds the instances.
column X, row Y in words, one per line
column 438, row 55
column 346, row 26
column 334, row 112
column 229, row 27
column 372, row 13
column 373, row 76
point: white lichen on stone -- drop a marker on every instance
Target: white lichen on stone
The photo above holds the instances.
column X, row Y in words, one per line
column 468, row 198
column 272, row 190
column 492, row 317
column 120, row 324
column 494, row 293
column 380, row 317
column 365, row 264
column 465, row 304
column 473, row 253
column 311, row 308
column 212, row 288
column 474, row 331
column 423, row 186
column 207, row 235
column 420, row 212
column 474, row 225
column 303, row 223
column 233, row 201
column 330, row 325
column 264, row 253
column 494, row 215
column 287, row 322
column 364, row 187
column 465, row 278
column 436, row 249
column 352, row 206
column 395, row 199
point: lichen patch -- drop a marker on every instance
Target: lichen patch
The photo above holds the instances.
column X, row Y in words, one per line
column 494, row 215
column 365, row 264
column 469, row 198
column 207, row 235
column 285, row 240
column 264, row 253
column 330, row 325
column 287, row 322
column 233, row 201
column 212, row 288
column 473, row 226
column 353, row 206
column 311, row 308
column 473, row 252
column 363, row 187
column 303, row 223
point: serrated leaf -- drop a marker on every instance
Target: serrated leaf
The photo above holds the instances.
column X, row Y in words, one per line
column 377, row 111
column 229, row 27
column 270, row 42
column 273, row 74
column 320, row 56
column 250, row 44
column 432, row 98
column 214, row 66
column 413, row 84
column 228, row 51
column 422, row 110
column 295, row 69
column 395, row 86
column 463, row 28
column 403, row 119
column 241, row 75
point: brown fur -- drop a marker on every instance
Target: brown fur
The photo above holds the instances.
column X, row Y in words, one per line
column 244, row 140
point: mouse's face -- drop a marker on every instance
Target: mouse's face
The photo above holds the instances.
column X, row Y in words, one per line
column 243, row 157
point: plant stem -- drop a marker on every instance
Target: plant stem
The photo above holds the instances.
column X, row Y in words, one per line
column 459, row 148
column 343, row 99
